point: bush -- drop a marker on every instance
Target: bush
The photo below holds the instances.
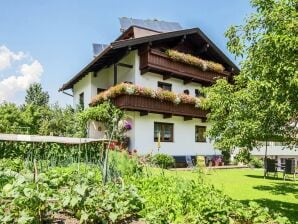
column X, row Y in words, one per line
column 243, row 156
column 256, row 163
column 123, row 164
column 163, row 161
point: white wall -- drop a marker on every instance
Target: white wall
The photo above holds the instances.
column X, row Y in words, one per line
column 96, row 130
column 84, row 85
column 184, row 143
column 104, row 79
column 128, row 74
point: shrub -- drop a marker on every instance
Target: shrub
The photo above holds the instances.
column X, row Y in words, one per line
column 124, row 164
column 163, row 161
column 256, row 162
column 243, row 156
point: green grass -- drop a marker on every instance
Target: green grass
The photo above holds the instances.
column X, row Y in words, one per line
column 249, row 185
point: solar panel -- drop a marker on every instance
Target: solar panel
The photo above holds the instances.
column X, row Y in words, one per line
column 98, row 48
column 160, row 26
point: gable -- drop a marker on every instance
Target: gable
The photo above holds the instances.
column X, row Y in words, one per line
column 192, row 39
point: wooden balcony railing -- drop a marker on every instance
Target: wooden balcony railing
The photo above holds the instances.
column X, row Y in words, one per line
column 151, row 105
column 156, row 61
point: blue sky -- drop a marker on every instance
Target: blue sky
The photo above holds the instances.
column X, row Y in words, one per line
column 52, row 40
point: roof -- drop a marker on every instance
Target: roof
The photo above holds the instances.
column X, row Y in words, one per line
column 47, row 139
column 117, row 49
column 275, row 151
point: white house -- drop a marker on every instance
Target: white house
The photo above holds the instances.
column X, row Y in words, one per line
column 139, row 58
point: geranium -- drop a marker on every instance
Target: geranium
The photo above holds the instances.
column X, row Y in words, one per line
column 131, row 89
column 204, row 65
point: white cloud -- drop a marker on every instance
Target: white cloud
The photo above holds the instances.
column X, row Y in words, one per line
column 7, row 57
column 29, row 73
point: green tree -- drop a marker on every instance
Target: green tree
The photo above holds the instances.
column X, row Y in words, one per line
column 261, row 103
column 60, row 121
column 35, row 95
column 10, row 118
column 32, row 117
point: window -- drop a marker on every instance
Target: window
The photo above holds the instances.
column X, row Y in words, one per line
column 99, row 90
column 81, row 100
column 166, row 131
column 186, row 92
column 165, row 86
column 200, row 134
column 198, row 93
column 282, row 161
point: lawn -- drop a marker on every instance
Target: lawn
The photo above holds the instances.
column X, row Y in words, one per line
column 249, row 185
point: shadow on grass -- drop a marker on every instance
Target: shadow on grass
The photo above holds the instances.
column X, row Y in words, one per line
column 279, row 189
column 262, row 177
column 286, row 209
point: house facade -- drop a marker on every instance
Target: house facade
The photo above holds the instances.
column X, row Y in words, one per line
column 154, row 76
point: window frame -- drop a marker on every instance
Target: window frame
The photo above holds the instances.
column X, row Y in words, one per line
column 99, row 90
column 198, row 93
column 82, row 100
column 161, row 84
column 186, row 91
column 162, row 131
column 197, row 127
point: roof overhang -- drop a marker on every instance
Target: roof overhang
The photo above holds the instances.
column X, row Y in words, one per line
column 117, row 49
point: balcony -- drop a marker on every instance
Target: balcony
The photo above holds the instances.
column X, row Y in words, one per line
column 150, row 105
column 156, row 61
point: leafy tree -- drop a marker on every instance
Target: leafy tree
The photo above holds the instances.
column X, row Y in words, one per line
column 32, row 117
column 60, row 121
column 261, row 103
column 35, row 95
column 10, row 119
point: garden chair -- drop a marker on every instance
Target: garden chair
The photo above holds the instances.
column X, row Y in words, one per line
column 290, row 169
column 270, row 167
column 189, row 162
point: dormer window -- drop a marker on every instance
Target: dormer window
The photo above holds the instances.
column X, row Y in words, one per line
column 186, row 91
column 165, row 86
